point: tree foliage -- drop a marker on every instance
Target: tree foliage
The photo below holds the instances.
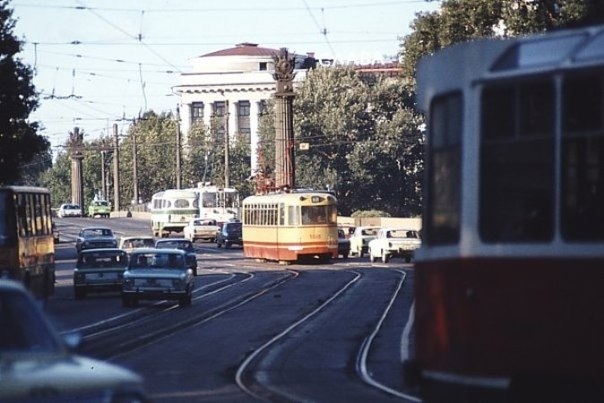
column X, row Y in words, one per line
column 363, row 138
column 463, row 20
column 19, row 141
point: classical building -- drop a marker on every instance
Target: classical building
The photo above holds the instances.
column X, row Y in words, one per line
column 229, row 89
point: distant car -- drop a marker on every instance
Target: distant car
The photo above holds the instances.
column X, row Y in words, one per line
column 394, row 242
column 129, row 243
column 230, row 234
column 360, row 238
column 343, row 244
column 201, row 228
column 69, row 210
column 100, row 208
column 157, row 274
column 36, row 366
column 55, row 233
column 94, row 238
column 99, row 270
column 183, row 244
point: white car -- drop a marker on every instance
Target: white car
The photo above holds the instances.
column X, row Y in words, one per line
column 37, row 366
column 201, row 228
column 360, row 238
column 69, row 210
column 394, row 242
column 129, row 243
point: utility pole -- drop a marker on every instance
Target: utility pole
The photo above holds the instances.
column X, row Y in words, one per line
column 178, row 150
column 116, row 170
column 134, row 166
column 76, row 140
column 227, row 172
column 103, row 180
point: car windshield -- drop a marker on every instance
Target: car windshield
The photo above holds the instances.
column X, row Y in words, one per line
column 157, row 260
column 369, row 231
column 176, row 244
column 138, row 243
column 102, row 259
column 90, row 233
column 402, row 233
column 22, row 327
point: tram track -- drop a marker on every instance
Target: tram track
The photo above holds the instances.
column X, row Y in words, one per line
column 256, row 381
column 163, row 319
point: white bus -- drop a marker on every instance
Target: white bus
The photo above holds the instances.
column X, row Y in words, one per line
column 217, row 203
column 172, row 209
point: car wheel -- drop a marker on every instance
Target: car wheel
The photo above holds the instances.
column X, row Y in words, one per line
column 371, row 257
column 218, row 244
column 345, row 255
column 185, row 301
column 361, row 254
column 227, row 245
column 407, row 259
column 195, row 271
column 385, row 257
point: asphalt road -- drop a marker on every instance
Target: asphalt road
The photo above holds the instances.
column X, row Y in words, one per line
column 256, row 331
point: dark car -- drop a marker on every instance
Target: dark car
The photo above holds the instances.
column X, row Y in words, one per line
column 99, row 270
column 94, row 238
column 157, row 274
column 229, row 234
column 183, row 244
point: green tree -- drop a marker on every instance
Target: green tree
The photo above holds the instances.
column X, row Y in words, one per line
column 155, row 137
column 462, row 20
column 364, row 141
column 58, row 179
column 19, row 141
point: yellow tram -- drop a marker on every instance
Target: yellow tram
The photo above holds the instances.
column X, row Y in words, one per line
column 291, row 225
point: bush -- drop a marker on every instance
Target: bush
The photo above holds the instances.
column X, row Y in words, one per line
column 369, row 213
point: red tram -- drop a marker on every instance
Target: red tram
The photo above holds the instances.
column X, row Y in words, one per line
column 510, row 277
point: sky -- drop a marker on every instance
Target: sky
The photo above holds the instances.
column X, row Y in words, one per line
column 103, row 62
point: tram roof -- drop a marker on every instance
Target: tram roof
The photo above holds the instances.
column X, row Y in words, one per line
column 291, row 195
column 458, row 66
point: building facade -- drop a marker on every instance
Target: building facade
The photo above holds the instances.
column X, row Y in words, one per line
column 229, row 89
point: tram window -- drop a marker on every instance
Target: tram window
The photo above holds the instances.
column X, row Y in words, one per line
column 582, row 216
column 281, row 214
column 517, row 171
column 181, row 203
column 442, row 220
column 293, row 215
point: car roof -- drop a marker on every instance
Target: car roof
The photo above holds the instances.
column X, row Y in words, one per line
column 166, row 240
column 87, row 251
column 146, row 251
column 93, row 228
column 128, row 238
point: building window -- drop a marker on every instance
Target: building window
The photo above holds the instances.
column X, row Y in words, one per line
column 262, row 107
column 219, row 108
column 243, row 108
column 219, row 112
column 263, row 66
column 196, row 112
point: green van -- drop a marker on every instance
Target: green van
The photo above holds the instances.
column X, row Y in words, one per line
column 100, row 208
